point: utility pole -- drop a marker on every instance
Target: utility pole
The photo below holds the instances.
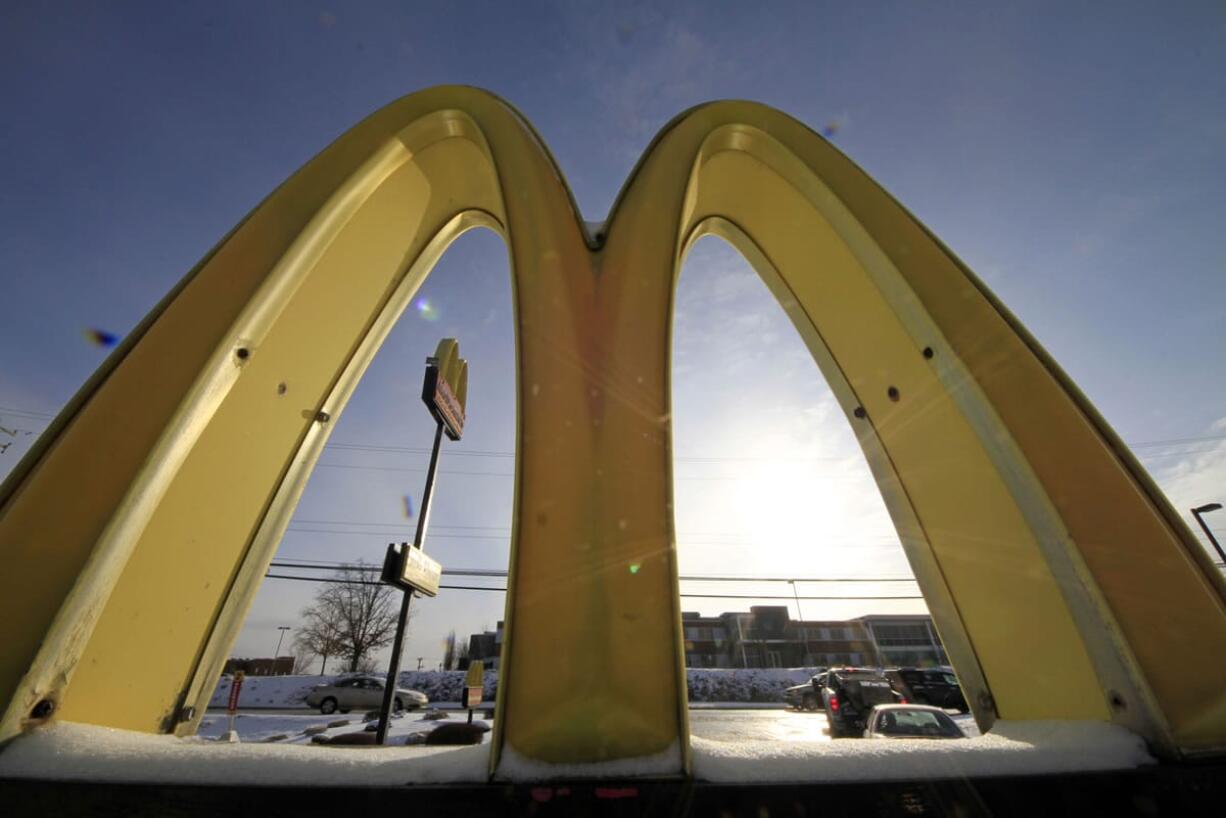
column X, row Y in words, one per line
column 419, row 660
column 804, row 632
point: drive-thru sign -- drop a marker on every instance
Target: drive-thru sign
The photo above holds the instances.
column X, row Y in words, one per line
column 445, row 389
column 408, row 567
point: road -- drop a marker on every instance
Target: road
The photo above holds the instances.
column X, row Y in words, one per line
column 712, row 724
column 770, row 725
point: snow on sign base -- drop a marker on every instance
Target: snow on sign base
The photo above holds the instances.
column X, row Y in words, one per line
column 514, row 766
column 82, row 752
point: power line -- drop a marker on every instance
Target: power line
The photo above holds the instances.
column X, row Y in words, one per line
column 497, row 453
column 505, row 530
column 685, row 596
column 494, row 572
column 6, row 410
column 370, row 447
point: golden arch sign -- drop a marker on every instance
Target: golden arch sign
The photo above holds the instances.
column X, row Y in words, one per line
column 1062, row 583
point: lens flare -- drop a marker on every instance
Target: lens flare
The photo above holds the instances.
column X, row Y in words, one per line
column 101, row 338
column 426, row 310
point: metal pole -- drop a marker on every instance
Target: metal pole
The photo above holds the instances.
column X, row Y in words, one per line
column 1196, row 512
column 804, row 633
column 393, row 670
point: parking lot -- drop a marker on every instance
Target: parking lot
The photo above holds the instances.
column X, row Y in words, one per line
column 713, row 723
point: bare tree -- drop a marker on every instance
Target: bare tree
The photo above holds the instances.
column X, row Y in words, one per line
column 449, row 654
column 367, row 665
column 353, row 616
column 302, row 660
column 318, row 635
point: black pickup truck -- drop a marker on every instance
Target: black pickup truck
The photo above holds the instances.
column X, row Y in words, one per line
column 847, row 694
column 936, row 686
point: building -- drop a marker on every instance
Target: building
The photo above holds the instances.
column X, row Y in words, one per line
column 281, row 666
column 902, row 640
column 766, row 636
column 487, row 647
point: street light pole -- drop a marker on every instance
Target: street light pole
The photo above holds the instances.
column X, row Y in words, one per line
column 1199, row 510
column 277, row 652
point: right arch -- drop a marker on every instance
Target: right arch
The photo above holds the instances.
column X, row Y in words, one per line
column 1063, row 584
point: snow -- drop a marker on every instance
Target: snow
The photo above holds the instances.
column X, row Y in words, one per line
column 443, row 687
column 69, row 751
column 744, row 684
column 279, row 692
column 1012, row 748
column 72, row 751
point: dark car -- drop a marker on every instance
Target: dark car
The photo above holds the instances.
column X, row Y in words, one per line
column 850, row 693
column 807, row 696
column 935, row 686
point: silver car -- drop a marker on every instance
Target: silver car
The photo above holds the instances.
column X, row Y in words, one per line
column 361, row 692
column 911, row 721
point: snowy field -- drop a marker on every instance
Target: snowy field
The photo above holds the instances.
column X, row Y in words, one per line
column 294, row 728
column 738, row 742
column 744, row 686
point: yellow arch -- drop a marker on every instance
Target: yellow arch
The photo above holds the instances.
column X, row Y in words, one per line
column 1062, row 583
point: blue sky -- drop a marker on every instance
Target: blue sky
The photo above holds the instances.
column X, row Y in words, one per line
column 1072, row 154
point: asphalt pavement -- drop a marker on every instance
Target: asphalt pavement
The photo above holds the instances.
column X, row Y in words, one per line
column 713, row 724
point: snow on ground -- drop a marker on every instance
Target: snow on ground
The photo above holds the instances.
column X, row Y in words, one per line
column 744, row 684
column 279, row 692
column 69, row 751
column 293, row 728
column 752, row 685
column 1012, row 748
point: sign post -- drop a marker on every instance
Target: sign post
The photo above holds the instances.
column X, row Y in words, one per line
column 474, row 686
column 444, row 392
column 236, row 687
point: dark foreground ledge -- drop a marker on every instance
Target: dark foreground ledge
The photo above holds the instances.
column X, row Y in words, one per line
column 1188, row 790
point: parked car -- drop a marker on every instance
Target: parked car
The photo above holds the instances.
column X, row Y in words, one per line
column 807, row 696
column 910, row 721
column 935, row 686
column 361, row 692
column 849, row 693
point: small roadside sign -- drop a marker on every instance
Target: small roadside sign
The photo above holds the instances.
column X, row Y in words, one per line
column 474, row 686
column 476, row 674
column 236, row 687
column 408, row 567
